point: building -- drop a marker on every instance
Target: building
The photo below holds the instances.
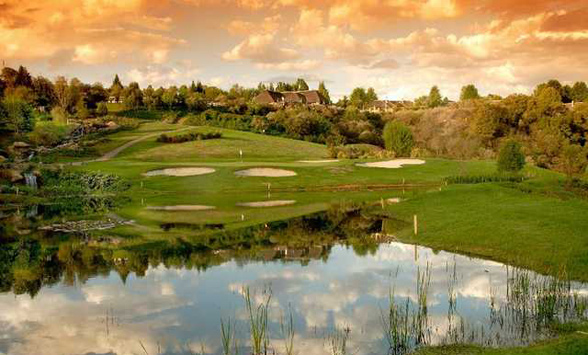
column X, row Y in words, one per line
column 308, row 97
column 387, row 105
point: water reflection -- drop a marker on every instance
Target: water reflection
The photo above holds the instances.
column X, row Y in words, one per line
column 80, row 295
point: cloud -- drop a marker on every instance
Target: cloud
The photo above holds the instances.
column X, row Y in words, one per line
column 260, row 49
column 245, row 28
column 161, row 75
column 93, row 31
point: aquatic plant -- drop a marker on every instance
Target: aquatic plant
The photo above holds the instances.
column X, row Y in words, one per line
column 338, row 341
column 258, row 321
column 287, row 327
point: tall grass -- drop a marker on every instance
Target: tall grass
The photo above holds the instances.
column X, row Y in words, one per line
column 258, row 321
column 338, row 341
column 287, row 327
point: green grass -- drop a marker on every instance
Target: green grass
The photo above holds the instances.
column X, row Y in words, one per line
column 573, row 340
column 533, row 230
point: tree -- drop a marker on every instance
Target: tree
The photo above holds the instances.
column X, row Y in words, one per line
column 19, row 114
column 94, row 95
column 132, row 96
column 44, row 92
column 469, row 92
column 572, row 160
column 434, row 99
column 116, row 88
column 82, row 111
column 510, row 157
column 23, row 78
column 102, row 109
column 322, row 89
column 357, row 97
column 301, row 85
column 488, row 122
column 370, row 96
column 398, row 138
column 579, row 92
column 169, row 96
column 149, row 99
column 9, row 77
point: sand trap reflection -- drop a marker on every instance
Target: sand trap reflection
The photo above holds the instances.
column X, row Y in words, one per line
column 180, row 306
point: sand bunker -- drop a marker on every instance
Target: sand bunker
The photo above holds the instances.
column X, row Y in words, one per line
column 392, row 164
column 267, row 203
column 180, row 172
column 319, row 161
column 181, row 208
column 265, row 172
column 393, row 200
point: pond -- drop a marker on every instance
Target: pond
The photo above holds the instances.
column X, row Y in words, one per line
column 320, row 282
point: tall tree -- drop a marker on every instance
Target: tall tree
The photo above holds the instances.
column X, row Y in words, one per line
column 434, row 99
column 116, row 88
column 301, row 85
column 9, row 77
column 580, row 92
column 324, row 92
column 23, row 78
column 132, row 96
column 44, row 92
column 357, row 97
column 370, row 96
column 469, row 92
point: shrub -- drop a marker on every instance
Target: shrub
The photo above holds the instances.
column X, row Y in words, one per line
column 398, row 138
column 59, row 115
column 164, row 138
column 102, row 109
column 48, row 133
column 510, row 157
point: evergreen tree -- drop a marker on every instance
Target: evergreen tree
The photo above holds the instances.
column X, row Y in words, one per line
column 434, row 99
column 23, row 78
column 193, row 87
column 300, row 85
column 510, row 157
column 199, row 87
column 324, row 92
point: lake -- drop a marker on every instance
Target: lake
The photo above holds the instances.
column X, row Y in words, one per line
column 322, row 282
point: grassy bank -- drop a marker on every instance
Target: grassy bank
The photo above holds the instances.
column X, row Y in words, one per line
column 572, row 340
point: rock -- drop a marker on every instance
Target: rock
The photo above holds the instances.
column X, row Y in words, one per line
column 12, row 175
column 20, row 145
column 111, row 125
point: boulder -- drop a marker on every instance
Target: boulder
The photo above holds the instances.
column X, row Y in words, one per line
column 20, row 145
column 111, row 125
column 12, row 175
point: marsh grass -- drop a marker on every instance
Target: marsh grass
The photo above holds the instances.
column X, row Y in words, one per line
column 258, row 321
column 337, row 341
column 287, row 328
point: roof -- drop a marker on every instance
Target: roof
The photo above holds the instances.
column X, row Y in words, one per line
column 294, row 97
column 313, row 97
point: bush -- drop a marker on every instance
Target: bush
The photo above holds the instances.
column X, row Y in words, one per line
column 102, row 109
column 164, row 138
column 510, row 157
column 398, row 138
column 48, row 133
column 59, row 115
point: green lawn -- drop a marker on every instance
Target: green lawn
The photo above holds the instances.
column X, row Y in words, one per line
column 572, row 341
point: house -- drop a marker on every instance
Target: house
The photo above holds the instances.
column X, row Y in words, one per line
column 308, row 97
column 383, row 106
column 291, row 97
column 268, row 97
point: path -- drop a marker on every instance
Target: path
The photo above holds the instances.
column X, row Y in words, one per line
column 113, row 153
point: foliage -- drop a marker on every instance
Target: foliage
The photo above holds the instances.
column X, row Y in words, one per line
column 59, row 182
column 434, row 99
column 102, row 109
column 59, row 115
column 398, row 138
column 18, row 114
column 510, row 157
column 469, row 92
column 485, row 178
column 188, row 137
column 48, row 133
column 573, row 160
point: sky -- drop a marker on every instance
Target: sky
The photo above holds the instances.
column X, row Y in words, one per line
column 399, row 47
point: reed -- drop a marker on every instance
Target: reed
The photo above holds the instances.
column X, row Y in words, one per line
column 258, row 322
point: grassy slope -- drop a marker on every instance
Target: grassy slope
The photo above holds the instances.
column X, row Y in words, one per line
column 531, row 230
column 572, row 341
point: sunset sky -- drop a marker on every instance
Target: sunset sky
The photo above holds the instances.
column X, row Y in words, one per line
column 399, row 47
